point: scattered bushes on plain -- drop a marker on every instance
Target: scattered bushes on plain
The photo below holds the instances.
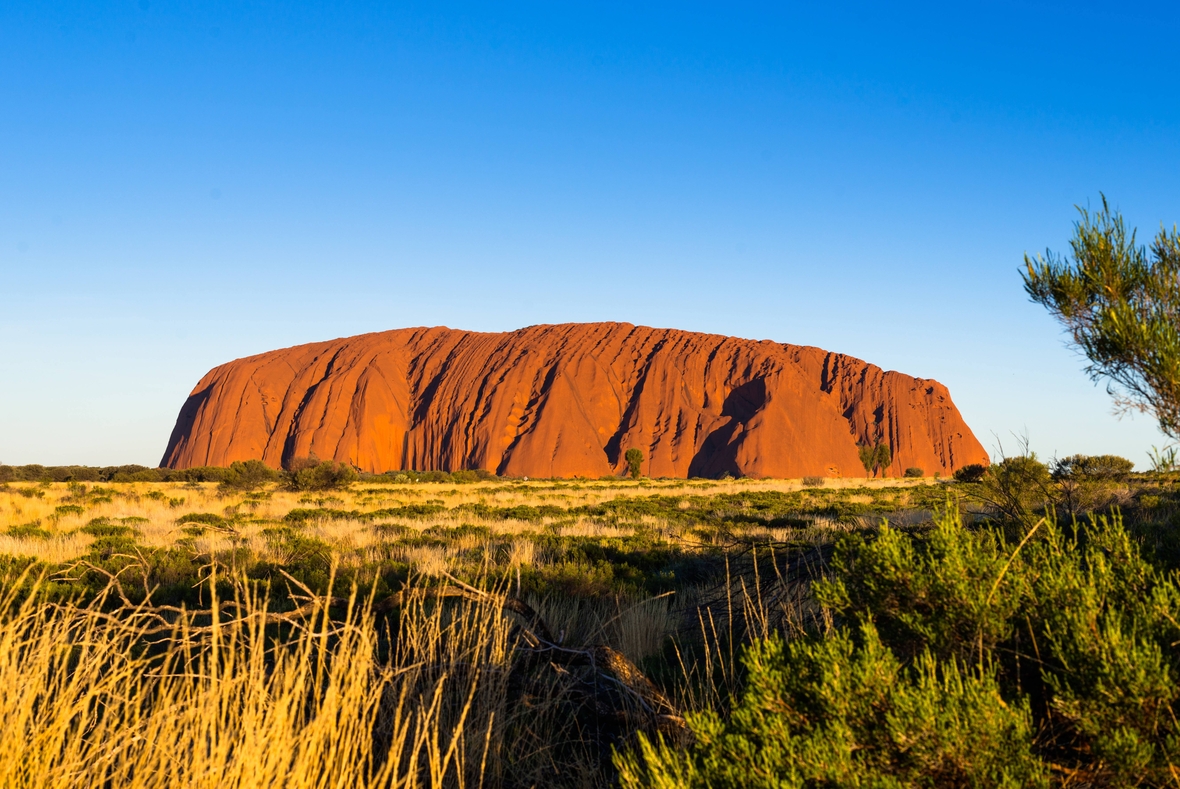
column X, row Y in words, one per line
column 129, row 473
column 463, row 477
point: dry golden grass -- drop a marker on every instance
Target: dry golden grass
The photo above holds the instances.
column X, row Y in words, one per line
column 154, row 509
column 224, row 702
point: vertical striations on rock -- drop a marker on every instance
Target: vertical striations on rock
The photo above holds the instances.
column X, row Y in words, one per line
column 568, row 400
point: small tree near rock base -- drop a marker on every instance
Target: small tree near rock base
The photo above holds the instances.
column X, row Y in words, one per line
column 875, row 457
column 634, row 458
column 868, row 457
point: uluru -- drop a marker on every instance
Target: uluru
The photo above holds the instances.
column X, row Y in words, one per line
column 569, row 400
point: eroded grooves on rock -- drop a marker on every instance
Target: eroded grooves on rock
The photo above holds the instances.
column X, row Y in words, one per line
column 568, row 400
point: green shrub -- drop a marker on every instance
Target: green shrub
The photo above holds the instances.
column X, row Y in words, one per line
column 634, row 458
column 143, row 475
column 1017, row 489
column 972, row 472
column 312, row 474
column 1092, row 467
column 204, row 518
column 298, row 551
column 1076, row 619
column 827, row 712
column 933, row 593
column 102, row 527
column 914, row 472
column 247, row 475
column 29, row 530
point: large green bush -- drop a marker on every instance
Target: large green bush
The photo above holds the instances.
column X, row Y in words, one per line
column 1053, row 650
column 972, row 472
column 312, row 474
column 247, row 475
column 1092, row 467
column 844, row 711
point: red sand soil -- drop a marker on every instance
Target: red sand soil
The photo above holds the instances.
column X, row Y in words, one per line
column 569, row 400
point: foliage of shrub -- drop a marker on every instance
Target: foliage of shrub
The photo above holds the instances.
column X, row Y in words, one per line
column 312, row 474
column 959, row 657
column 634, row 458
column 247, row 475
column 914, row 472
column 933, row 593
column 875, row 457
column 104, row 527
column 1017, row 489
column 298, row 553
column 813, row 482
column 972, row 472
column 463, row 477
column 1092, row 467
column 1084, row 606
column 830, row 712
column 32, row 529
column 204, row 518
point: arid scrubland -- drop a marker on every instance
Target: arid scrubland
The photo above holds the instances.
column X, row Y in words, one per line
column 590, row 633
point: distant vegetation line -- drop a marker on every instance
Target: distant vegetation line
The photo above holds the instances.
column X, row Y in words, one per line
column 34, row 472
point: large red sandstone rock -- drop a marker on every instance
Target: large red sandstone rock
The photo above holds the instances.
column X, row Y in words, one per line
column 568, row 400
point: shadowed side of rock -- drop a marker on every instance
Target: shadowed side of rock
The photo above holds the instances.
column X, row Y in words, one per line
column 568, row 400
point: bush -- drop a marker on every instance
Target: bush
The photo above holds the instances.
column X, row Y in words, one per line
column 634, row 458
column 1076, row 619
column 312, row 474
column 248, row 475
column 813, row 482
column 462, row 477
column 1093, row 467
column 972, row 472
column 930, row 594
column 27, row 530
column 203, row 518
column 914, row 472
column 832, row 712
column 1017, row 489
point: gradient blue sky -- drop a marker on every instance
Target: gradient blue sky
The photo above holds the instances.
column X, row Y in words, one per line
column 186, row 183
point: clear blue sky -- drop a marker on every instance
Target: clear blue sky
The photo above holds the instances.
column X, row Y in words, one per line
column 186, row 183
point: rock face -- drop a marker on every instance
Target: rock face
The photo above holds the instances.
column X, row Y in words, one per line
column 568, row 400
